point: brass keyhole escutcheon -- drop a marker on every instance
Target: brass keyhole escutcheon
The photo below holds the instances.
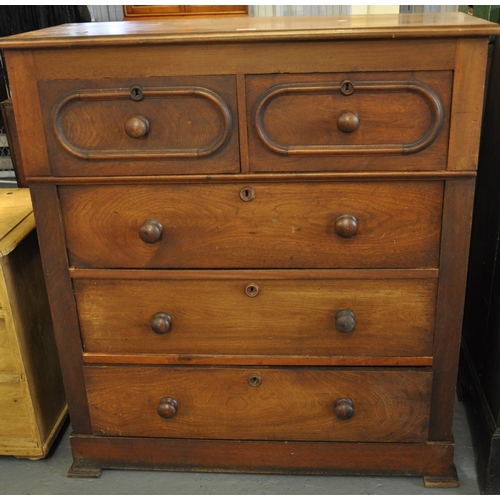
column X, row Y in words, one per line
column 136, row 93
column 347, row 87
column 252, row 289
column 255, row 380
column 247, row 194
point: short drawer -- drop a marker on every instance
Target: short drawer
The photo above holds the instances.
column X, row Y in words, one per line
column 354, row 121
column 212, row 315
column 179, row 125
column 262, row 225
column 254, row 403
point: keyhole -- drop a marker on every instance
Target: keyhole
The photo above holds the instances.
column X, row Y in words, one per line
column 252, row 290
column 136, row 93
column 247, row 194
column 255, row 380
column 347, row 87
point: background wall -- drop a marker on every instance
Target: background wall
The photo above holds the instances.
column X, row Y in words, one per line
column 101, row 13
column 298, row 10
column 115, row 12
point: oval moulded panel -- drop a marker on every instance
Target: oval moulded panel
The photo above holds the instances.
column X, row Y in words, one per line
column 184, row 122
column 349, row 122
column 382, row 128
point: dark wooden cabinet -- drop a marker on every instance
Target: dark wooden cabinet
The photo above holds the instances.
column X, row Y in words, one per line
column 255, row 235
column 480, row 361
column 144, row 12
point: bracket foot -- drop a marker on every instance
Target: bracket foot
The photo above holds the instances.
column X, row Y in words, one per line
column 84, row 470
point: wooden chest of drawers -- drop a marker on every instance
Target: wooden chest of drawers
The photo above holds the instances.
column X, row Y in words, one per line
column 255, row 235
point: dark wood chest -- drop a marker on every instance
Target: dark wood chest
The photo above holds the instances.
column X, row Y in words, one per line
column 255, row 236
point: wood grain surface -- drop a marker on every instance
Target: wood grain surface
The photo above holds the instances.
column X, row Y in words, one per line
column 459, row 198
column 243, row 58
column 295, row 404
column 468, row 94
column 288, row 317
column 28, row 116
column 32, row 399
column 34, row 337
column 271, row 457
column 390, row 26
column 256, row 360
column 15, row 414
column 294, row 126
column 123, row 180
column 192, row 126
column 17, row 218
column 62, row 303
column 8, row 360
column 127, row 233
column 285, row 226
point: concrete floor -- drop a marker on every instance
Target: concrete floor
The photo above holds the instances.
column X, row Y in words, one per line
column 48, row 476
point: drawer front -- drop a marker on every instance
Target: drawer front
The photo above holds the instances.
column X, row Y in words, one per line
column 213, row 316
column 248, row 403
column 357, row 121
column 140, row 127
column 296, row 225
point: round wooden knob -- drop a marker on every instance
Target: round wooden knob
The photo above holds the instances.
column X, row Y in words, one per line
column 345, row 321
column 151, row 231
column 344, row 409
column 348, row 121
column 162, row 322
column 346, row 226
column 137, row 126
column 167, row 408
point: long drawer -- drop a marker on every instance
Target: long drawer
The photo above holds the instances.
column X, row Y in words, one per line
column 263, row 225
column 247, row 403
column 210, row 315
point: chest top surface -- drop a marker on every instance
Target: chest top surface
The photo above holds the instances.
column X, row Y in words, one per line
column 255, row 29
